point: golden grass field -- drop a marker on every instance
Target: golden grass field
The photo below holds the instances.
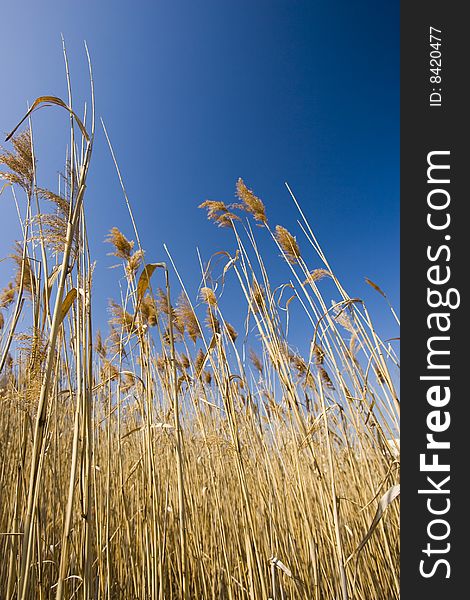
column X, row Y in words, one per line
column 167, row 458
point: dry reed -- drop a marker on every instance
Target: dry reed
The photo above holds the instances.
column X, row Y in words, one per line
column 171, row 460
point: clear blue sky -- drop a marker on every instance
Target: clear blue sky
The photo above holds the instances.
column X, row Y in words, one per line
column 198, row 93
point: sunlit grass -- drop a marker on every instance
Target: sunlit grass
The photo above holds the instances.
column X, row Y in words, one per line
column 174, row 457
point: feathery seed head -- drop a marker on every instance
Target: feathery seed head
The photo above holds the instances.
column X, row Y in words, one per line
column 326, row 378
column 219, row 213
column 20, row 162
column 186, row 319
column 212, row 321
column 319, row 354
column 133, row 263
column 148, row 311
column 7, row 295
column 99, row 345
column 258, row 296
column 122, row 318
column 23, row 269
column 184, row 360
column 208, row 296
column 316, row 275
column 256, row 360
column 122, row 246
column 251, row 203
column 288, row 244
column 199, row 362
column 231, row 331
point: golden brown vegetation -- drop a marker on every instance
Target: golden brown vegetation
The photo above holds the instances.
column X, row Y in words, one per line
column 172, row 459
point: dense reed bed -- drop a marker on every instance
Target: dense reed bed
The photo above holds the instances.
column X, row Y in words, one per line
column 171, row 457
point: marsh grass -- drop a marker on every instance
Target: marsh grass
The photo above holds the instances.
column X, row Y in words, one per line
column 176, row 457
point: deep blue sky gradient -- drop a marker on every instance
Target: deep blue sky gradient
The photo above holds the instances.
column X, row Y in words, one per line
column 197, row 94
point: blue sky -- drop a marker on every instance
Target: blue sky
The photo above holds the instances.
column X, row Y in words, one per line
column 197, row 94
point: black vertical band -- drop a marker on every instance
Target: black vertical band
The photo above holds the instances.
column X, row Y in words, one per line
column 435, row 255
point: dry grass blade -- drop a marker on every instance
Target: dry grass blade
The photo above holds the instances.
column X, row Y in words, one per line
column 46, row 100
column 67, row 303
column 375, row 286
column 384, row 502
column 144, row 279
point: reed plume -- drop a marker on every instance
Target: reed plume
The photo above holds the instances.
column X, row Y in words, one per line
column 251, row 203
column 288, row 244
